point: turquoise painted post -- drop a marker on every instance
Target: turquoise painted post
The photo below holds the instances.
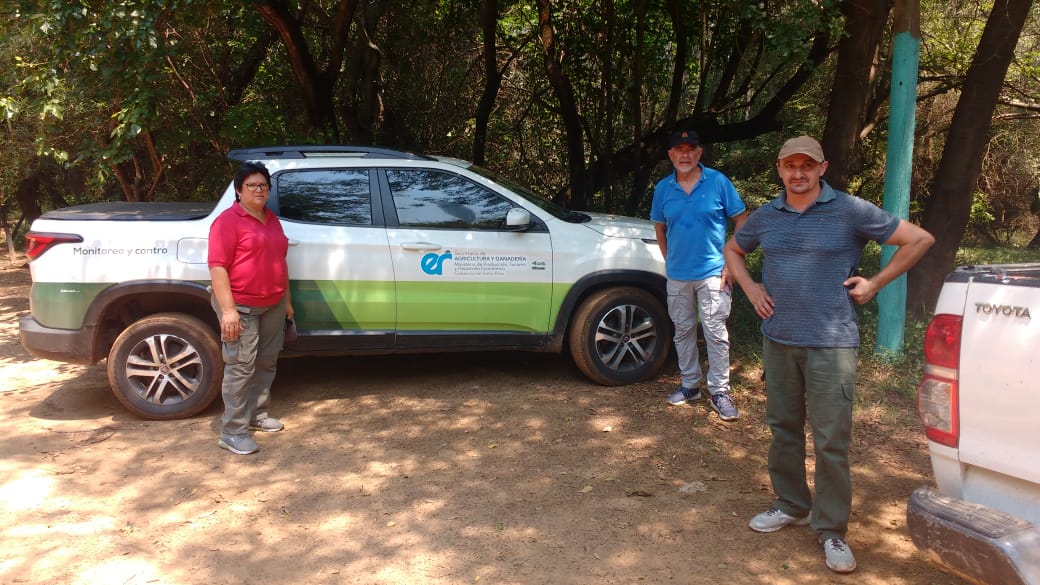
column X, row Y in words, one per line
column 906, row 49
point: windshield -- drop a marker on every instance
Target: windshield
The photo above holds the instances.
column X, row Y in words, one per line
column 535, row 198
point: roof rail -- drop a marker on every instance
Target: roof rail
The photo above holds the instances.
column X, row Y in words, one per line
column 317, row 150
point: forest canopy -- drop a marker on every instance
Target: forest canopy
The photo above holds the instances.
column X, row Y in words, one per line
column 140, row 100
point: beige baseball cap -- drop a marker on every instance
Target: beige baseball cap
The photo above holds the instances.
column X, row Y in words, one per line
column 802, row 145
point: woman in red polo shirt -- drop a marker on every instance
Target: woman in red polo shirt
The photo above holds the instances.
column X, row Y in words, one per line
column 250, row 278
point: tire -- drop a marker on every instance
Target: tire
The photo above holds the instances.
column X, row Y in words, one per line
column 620, row 336
column 166, row 366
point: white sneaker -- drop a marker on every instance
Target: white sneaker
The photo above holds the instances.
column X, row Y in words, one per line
column 774, row 519
column 267, row 425
column 839, row 556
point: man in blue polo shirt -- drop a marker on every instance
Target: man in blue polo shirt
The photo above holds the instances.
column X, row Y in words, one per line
column 690, row 211
column 812, row 238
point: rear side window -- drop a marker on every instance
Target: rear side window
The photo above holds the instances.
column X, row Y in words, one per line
column 436, row 199
column 340, row 197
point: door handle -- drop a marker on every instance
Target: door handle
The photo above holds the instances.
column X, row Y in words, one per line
column 421, row 246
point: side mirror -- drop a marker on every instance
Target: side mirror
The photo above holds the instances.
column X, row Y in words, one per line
column 518, row 219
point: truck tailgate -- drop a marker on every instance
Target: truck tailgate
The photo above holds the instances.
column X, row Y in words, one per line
column 1000, row 426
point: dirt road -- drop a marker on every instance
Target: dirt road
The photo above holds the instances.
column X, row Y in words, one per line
column 501, row 468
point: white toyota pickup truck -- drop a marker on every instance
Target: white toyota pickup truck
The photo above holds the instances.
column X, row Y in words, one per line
column 980, row 403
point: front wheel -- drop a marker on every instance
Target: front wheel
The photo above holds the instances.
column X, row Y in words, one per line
column 620, row 336
column 166, row 366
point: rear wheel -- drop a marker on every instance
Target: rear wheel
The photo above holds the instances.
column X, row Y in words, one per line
column 166, row 366
column 619, row 336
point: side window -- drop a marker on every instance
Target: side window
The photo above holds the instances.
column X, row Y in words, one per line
column 437, row 199
column 326, row 196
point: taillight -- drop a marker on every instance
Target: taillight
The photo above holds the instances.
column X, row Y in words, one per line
column 942, row 341
column 937, row 395
column 36, row 243
column 937, row 407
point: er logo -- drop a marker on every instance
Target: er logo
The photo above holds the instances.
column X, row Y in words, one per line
column 434, row 263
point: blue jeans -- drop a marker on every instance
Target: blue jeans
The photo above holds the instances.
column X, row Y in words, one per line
column 818, row 381
column 687, row 298
column 250, row 363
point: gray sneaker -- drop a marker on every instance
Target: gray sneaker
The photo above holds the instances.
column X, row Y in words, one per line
column 839, row 556
column 774, row 519
column 238, row 444
column 267, row 425
column 723, row 404
column 682, row 395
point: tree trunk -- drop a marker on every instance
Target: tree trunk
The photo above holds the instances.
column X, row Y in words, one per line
column 240, row 75
column 1034, row 244
column 316, row 86
column 492, row 81
column 682, row 56
column 8, row 235
column 635, row 107
column 25, row 194
column 948, row 208
column 647, row 149
column 852, row 87
column 576, row 196
column 612, row 71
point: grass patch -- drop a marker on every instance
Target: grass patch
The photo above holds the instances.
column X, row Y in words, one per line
column 969, row 254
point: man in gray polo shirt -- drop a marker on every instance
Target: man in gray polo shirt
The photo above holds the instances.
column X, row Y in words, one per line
column 812, row 238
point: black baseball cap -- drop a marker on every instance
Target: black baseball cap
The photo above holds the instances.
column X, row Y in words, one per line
column 684, row 137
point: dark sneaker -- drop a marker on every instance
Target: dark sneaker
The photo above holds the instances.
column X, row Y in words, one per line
column 839, row 556
column 238, row 444
column 774, row 519
column 683, row 395
column 267, row 425
column 722, row 404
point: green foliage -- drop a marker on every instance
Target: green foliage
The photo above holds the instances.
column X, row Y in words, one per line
column 981, row 212
column 751, row 165
column 1005, row 207
column 158, row 90
column 977, row 254
column 114, row 59
column 1002, row 205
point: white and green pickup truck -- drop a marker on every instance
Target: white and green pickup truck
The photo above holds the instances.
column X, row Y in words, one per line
column 980, row 403
column 388, row 252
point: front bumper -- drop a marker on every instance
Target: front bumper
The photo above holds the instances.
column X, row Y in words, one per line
column 979, row 543
column 63, row 345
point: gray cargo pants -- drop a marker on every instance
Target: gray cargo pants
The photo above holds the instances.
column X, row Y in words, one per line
column 687, row 298
column 249, row 365
column 818, row 382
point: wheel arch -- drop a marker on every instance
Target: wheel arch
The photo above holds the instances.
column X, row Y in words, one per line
column 651, row 282
column 120, row 305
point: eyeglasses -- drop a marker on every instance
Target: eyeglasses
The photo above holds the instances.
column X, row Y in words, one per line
column 257, row 186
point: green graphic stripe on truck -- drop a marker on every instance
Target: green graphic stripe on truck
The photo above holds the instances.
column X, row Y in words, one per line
column 356, row 305
column 423, row 305
column 473, row 306
column 63, row 305
column 362, row 305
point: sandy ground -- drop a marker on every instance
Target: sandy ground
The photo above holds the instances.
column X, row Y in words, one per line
column 445, row 469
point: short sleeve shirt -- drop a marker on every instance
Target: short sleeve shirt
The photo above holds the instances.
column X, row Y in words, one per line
column 695, row 223
column 253, row 253
column 806, row 258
